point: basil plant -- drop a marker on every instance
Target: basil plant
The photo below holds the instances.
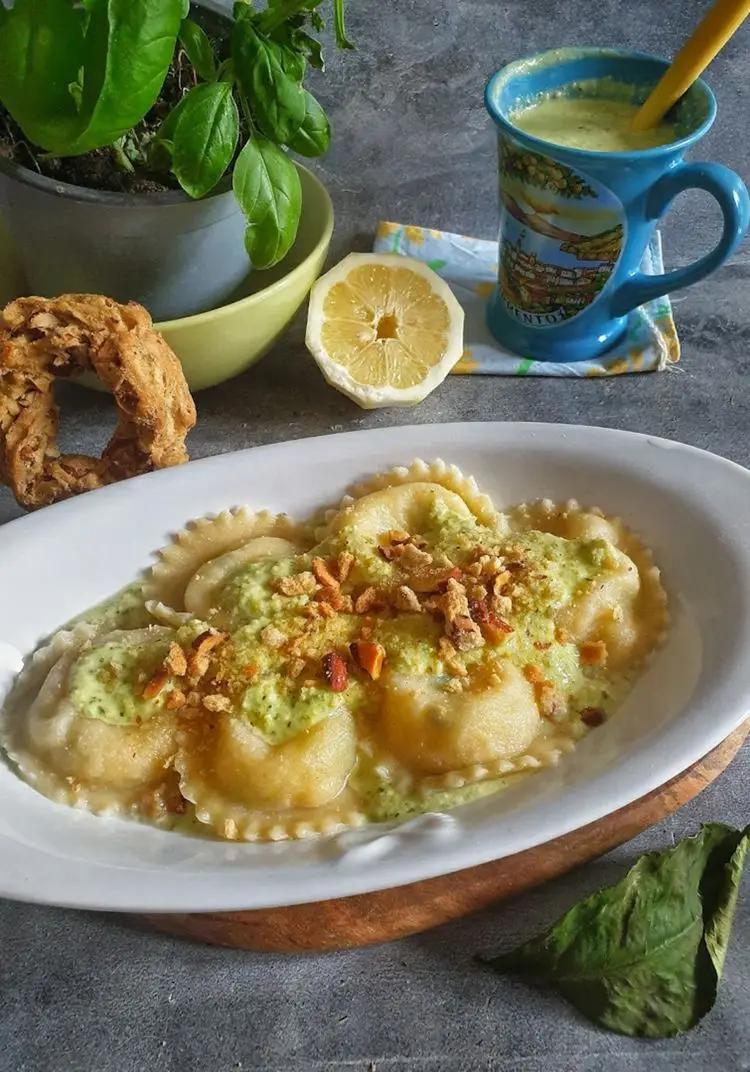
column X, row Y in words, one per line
column 79, row 75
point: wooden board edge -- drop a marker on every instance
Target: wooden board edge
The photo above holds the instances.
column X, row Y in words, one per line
column 386, row 915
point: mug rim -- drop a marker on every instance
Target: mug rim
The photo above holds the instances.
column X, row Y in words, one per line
column 585, row 52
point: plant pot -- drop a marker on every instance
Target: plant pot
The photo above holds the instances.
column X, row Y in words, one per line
column 174, row 255
column 215, row 345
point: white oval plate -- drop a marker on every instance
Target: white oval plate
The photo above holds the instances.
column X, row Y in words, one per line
column 691, row 507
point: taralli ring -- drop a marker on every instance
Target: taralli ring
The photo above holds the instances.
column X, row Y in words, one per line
column 44, row 339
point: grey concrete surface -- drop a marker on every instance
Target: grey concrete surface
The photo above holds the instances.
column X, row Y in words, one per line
column 89, row 992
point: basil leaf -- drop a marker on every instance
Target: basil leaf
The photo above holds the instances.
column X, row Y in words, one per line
column 267, row 187
column 312, row 49
column 185, row 9
column 41, row 54
column 128, row 48
column 242, row 9
column 205, row 137
column 644, row 957
column 161, row 147
column 198, row 47
column 225, row 71
column 270, row 76
column 338, row 25
column 124, row 54
column 314, row 136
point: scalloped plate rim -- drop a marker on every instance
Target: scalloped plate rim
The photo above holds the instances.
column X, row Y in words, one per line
column 158, row 875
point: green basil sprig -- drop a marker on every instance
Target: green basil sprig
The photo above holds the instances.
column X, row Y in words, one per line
column 78, row 75
column 644, row 957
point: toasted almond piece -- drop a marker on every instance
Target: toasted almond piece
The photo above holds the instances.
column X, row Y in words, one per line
column 344, row 563
column 369, row 656
column 323, row 574
column 216, row 703
column 475, row 591
column 551, row 702
column 454, row 685
column 272, row 637
column 336, row 599
column 496, row 630
column 295, row 668
column 175, row 700
column 412, row 558
column 432, row 578
column 155, row 685
column 478, row 608
column 176, row 660
column 301, row 584
column 395, row 536
column 534, row 674
column 460, row 627
column 449, row 656
column 199, row 658
column 593, row 653
column 335, row 671
column 368, row 599
column 406, row 599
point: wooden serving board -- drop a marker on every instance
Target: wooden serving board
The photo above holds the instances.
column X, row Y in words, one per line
column 388, row 914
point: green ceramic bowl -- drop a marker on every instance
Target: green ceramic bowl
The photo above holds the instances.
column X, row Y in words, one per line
column 222, row 342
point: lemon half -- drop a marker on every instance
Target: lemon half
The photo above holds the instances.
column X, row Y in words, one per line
column 385, row 330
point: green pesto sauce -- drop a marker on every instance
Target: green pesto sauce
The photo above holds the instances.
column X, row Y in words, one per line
column 279, row 710
column 453, row 534
column 381, row 802
column 410, row 642
column 107, row 680
column 124, row 610
column 249, row 594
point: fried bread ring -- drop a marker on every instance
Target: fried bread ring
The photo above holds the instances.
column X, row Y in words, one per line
column 42, row 339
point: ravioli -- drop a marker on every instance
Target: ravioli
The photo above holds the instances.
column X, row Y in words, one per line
column 411, row 649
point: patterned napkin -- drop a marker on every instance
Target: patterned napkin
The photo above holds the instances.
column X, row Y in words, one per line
column 469, row 265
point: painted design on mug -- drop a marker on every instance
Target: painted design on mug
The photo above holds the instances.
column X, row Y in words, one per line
column 561, row 234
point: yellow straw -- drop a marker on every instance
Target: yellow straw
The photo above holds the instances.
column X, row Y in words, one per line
column 708, row 38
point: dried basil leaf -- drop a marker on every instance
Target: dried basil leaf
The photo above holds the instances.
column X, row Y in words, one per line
column 644, row 957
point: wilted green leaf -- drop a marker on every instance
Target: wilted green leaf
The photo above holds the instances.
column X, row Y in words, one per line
column 198, row 47
column 267, row 186
column 314, row 135
column 644, row 957
column 205, row 137
column 270, row 75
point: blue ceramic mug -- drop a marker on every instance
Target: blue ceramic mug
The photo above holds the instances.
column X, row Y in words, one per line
column 575, row 223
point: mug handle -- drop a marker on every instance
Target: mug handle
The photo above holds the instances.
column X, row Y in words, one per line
column 734, row 202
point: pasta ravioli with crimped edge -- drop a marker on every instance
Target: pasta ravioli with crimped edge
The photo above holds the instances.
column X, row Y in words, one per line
column 411, row 649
